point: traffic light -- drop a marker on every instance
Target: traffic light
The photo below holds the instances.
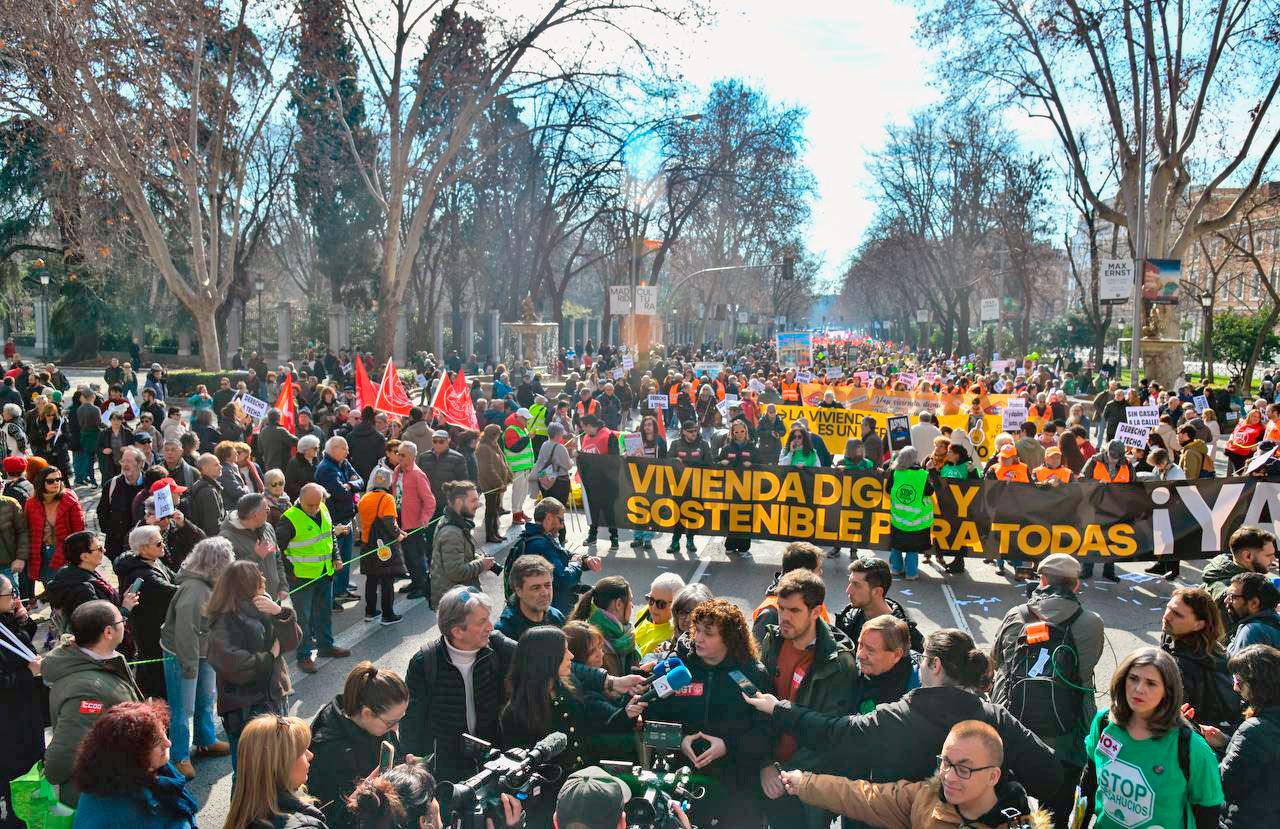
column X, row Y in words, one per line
column 788, row 267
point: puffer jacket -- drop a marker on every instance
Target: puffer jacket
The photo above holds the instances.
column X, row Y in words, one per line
column 1247, row 772
column 69, row 519
column 81, row 690
column 454, row 560
column 1218, row 574
column 146, row 618
column 240, row 654
column 367, row 447
column 919, row 805
column 294, row 814
column 344, row 754
column 15, row 534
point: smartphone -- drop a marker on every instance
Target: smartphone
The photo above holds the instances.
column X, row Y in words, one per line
column 745, row 684
column 386, row 757
column 664, row 736
column 136, row 586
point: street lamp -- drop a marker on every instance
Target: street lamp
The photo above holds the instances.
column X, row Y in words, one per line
column 259, row 285
column 44, row 310
column 1206, row 347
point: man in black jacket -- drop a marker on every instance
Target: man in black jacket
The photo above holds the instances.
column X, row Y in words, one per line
column 469, row 653
column 115, row 507
column 274, row 442
column 366, row 443
column 868, row 589
column 689, row 448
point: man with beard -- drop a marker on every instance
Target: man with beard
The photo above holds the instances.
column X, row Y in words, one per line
column 1253, row 550
column 1251, row 602
column 454, row 560
column 868, row 589
column 812, row 666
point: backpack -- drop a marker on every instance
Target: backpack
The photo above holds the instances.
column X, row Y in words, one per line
column 1042, row 683
column 1220, row 702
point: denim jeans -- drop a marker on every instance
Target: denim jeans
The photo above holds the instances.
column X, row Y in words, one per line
column 190, row 699
column 342, row 578
column 896, row 558
column 313, row 605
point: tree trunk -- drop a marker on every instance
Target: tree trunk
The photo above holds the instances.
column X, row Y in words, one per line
column 210, row 345
column 1263, row 333
column 965, row 346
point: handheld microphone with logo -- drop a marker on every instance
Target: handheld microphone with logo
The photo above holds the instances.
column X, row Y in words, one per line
column 664, row 686
column 664, row 667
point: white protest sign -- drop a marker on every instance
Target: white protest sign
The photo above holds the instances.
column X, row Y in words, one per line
column 989, row 310
column 632, row 444
column 1148, row 417
column 164, row 502
column 723, row 408
column 628, row 362
column 998, row 388
column 731, row 399
column 755, row 385
column 647, row 300
column 1013, row 416
column 253, row 407
column 1201, row 403
column 1261, row 460
column 998, row 366
column 619, row 373
column 710, row 369
column 835, row 373
column 908, row 377
column 804, row 377
column 120, row 408
column 659, row 401
column 1131, row 435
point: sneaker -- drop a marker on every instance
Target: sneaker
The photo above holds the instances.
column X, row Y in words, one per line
column 613, row 543
column 648, row 545
column 307, row 666
column 405, row 588
column 348, row 595
column 415, row 594
column 1112, row 577
column 391, row 619
column 914, row 577
column 673, row 549
column 590, row 539
column 897, row 574
column 636, row 545
column 338, row 607
column 218, row 749
column 371, row 617
column 691, row 548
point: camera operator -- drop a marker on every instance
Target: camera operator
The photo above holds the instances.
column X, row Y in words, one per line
column 811, row 667
column 543, row 700
column 404, row 797
column 593, row 799
column 456, row 684
column 724, row 739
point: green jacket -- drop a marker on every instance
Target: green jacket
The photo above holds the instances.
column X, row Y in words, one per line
column 81, row 690
column 829, row 687
column 14, row 533
column 1218, row 574
column 454, row 559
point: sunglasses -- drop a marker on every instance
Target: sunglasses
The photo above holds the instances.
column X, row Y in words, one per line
column 658, row 604
column 53, row 480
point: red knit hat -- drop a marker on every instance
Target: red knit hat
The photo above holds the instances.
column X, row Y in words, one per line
column 15, row 465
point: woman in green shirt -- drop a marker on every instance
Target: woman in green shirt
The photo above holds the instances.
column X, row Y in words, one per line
column 855, row 456
column 1139, row 776
column 799, row 450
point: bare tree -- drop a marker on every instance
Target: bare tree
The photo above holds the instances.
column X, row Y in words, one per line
column 168, row 99
column 1202, row 60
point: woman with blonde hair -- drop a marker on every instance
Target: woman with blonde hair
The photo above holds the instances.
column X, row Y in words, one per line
column 270, row 793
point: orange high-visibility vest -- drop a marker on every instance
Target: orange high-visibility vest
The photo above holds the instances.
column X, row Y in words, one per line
column 1100, row 473
column 1016, row 472
column 790, row 392
column 1044, row 473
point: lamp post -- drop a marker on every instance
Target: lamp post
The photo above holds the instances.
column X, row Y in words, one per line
column 44, row 308
column 259, row 285
column 1206, row 331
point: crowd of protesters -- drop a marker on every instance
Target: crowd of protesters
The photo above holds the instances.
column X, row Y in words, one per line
column 233, row 542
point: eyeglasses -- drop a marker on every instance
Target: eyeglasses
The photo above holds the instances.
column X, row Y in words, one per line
column 98, row 549
column 113, row 624
column 963, row 772
column 388, row 723
column 658, row 604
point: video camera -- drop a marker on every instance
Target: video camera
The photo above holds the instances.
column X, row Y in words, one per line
column 518, row 772
column 659, row 787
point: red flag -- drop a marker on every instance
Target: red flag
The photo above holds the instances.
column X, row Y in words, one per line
column 392, row 398
column 365, row 393
column 453, row 402
column 286, row 405
column 438, row 400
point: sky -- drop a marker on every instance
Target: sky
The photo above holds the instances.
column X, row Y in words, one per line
column 852, row 64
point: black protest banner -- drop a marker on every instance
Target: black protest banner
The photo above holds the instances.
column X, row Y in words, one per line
column 1093, row 521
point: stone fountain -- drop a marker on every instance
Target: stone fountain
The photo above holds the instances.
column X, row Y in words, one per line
column 530, row 338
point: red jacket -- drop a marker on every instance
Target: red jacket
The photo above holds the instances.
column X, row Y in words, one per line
column 70, row 519
column 417, row 503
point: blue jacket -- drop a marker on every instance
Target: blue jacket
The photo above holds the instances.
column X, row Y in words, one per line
column 334, row 477
column 1262, row 628
column 165, row 804
column 533, row 541
column 513, row 623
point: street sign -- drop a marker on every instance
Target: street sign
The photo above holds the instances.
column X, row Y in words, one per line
column 619, row 299
column 922, row 315
column 647, row 300
column 1115, row 281
column 990, row 310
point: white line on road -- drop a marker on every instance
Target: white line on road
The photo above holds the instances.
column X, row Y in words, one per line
column 699, row 572
column 961, row 622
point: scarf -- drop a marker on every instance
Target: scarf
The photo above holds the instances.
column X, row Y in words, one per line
column 621, row 638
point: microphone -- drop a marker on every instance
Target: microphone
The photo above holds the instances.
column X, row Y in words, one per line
column 663, row 667
column 549, row 746
column 664, row 686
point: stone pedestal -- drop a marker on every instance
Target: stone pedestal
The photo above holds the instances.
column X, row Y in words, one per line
column 42, row 326
column 532, row 341
column 284, row 332
column 400, row 338
column 184, row 341
column 235, row 321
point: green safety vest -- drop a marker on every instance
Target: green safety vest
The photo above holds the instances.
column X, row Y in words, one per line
column 310, row 552
column 522, row 460
column 909, row 509
column 538, row 421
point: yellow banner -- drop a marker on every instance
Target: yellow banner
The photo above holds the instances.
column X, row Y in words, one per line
column 836, row 426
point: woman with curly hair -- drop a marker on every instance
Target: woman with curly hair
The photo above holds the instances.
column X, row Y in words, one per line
column 123, row 772
column 725, row 739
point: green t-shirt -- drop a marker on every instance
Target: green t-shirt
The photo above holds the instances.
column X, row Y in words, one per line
column 858, row 466
column 1141, row 786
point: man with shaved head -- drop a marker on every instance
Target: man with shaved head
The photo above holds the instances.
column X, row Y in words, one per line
column 305, row 535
